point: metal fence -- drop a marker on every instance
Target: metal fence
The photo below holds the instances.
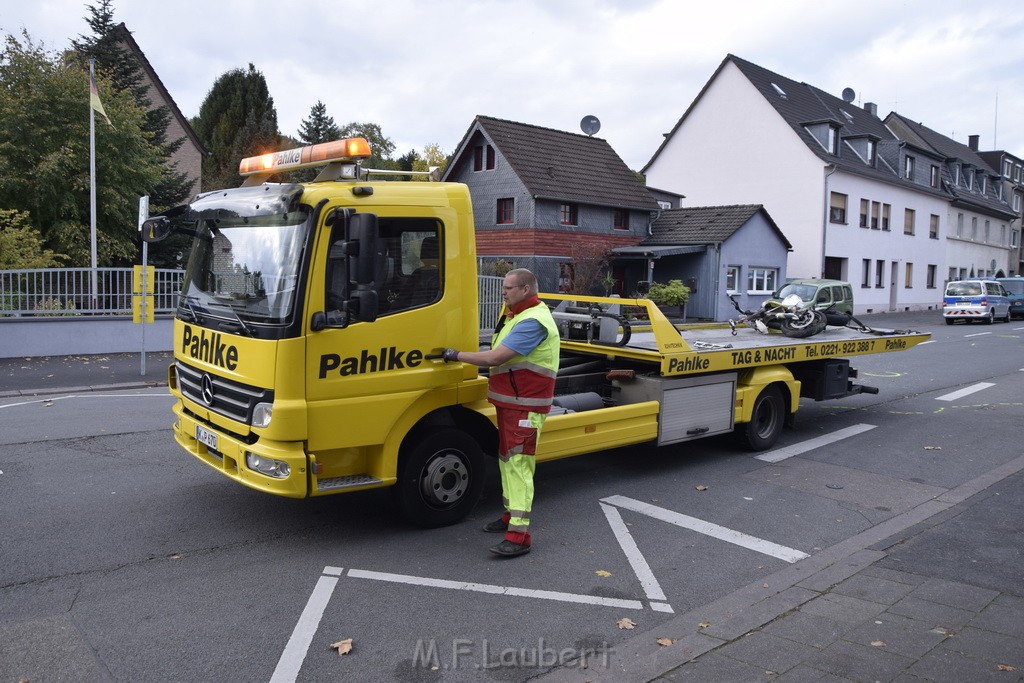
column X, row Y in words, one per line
column 68, row 292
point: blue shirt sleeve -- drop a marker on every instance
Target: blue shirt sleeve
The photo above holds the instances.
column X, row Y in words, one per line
column 525, row 337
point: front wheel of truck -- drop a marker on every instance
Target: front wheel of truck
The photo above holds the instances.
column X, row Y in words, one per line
column 766, row 420
column 440, row 478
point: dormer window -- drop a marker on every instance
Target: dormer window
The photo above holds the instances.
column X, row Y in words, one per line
column 865, row 147
column 970, row 179
column 826, row 133
column 908, row 167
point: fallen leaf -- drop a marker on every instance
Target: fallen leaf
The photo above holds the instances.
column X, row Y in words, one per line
column 176, row 556
column 701, row 487
column 1004, row 667
column 877, row 643
column 665, row 642
column 626, row 623
column 601, row 572
column 342, row 646
column 703, row 624
column 47, row 404
column 764, row 585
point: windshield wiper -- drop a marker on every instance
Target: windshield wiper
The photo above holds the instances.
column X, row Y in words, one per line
column 241, row 323
column 191, row 311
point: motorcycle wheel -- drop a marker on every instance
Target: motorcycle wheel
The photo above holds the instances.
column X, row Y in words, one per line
column 805, row 325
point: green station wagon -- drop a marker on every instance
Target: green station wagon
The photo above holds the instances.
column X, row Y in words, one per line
column 834, row 295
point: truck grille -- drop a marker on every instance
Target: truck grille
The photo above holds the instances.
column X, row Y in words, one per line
column 230, row 399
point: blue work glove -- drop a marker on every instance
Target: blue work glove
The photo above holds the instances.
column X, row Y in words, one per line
column 450, row 355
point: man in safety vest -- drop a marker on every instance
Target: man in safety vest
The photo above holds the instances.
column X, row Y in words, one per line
column 524, row 361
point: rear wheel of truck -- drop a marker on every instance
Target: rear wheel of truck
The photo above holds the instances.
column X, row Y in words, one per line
column 766, row 420
column 440, row 478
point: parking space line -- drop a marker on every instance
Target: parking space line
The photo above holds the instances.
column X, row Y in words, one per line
column 780, row 454
column 495, row 590
column 290, row 663
column 636, row 559
column 708, row 529
column 966, row 391
column 976, row 334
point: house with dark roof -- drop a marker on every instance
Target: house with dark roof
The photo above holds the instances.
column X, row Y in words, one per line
column 856, row 201
column 716, row 251
column 188, row 158
column 1010, row 169
column 543, row 197
column 980, row 214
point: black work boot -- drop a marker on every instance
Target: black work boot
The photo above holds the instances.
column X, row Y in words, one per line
column 498, row 526
column 509, row 549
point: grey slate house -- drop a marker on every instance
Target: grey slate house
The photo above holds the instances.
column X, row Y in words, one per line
column 715, row 251
column 542, row 196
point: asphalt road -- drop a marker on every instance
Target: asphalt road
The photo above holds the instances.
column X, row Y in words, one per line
column 124, row 559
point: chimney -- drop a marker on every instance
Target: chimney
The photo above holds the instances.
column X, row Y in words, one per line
column 972, row 142
column 871, row 108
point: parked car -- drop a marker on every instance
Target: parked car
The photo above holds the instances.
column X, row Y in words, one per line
column 1014, row 286
column 834, row 295
column 969, row 300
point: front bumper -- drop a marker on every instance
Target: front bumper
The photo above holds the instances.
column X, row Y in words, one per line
column 229, row 457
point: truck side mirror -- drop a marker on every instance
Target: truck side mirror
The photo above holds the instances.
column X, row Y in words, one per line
column 156, row 229
column 361, row 245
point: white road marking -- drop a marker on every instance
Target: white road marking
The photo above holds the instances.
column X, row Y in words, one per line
column 930, row 341
column 708, row 529
column 53, row 399
column 976, row 334
column 294, row 654
column 495, row 590
column 780, row 454
column 636, row 560
column 966, row 391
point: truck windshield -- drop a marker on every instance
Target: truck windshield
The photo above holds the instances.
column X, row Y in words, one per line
column 245, row 269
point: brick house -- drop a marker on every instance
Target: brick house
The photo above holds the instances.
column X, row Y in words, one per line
column 543, row 196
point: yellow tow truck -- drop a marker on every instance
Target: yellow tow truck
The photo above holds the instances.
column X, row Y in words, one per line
column 312, row 315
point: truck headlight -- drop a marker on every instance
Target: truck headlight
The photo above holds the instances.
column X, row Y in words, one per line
column 278, row 469
column 261, row 414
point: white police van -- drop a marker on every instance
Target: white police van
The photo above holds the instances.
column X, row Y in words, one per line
column 976, row 299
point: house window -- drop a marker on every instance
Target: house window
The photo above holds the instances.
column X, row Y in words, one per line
column 908, row 167
column 837, row 208
column 934, row 181
column 1013, row 238
column 956, row 175
column 974, row 228
column 871, row 152
column 908, row 221
column 988, row 231
column 732, row 278
column 506, row 210
column 863, row 213
column 865, row 276
column 480, row 152
column 933, row 226
column 970, row 179
column 620, row 219
column 959, row 225
column 876, row 210
column 908, row 276
column 932, row 268
column 1007, row 168
column 885, row 216
column 1002, row 234
column 1016, row 202
column 1016, row 172
column 983, row 185
column 569, row 214
column 879, row 273
column 833, row 140
column 761, row 280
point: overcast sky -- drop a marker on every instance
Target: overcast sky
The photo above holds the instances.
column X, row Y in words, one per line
column 423, row 70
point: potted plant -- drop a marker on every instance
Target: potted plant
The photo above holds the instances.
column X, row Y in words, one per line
column 674, row 294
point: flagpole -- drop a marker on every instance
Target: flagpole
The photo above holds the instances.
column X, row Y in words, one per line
column 92, row 196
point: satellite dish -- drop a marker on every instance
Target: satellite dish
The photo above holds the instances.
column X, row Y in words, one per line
column 848, row 94
column 590, row 124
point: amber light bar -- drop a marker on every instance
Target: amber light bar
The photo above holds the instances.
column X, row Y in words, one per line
column 347, row 150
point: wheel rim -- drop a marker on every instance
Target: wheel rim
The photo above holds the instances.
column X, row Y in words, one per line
column 802, row 321
column 444, row 480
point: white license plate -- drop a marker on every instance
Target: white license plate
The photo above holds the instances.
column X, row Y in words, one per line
column 206, row 437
